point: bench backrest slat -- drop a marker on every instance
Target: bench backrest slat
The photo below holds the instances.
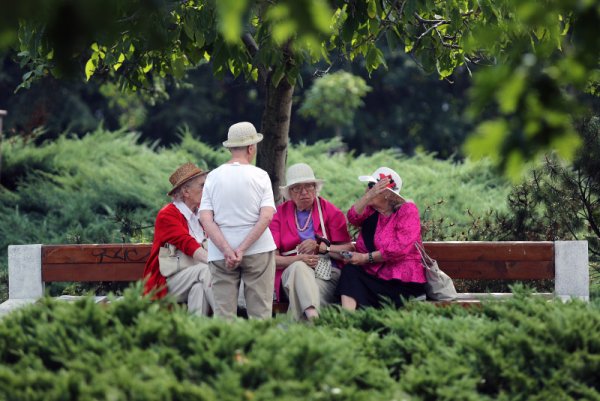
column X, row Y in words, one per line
column 498, row 270
column 461, row 260
column 94, row 262
column 506, row 251
column 88, row 272
column 494, row 260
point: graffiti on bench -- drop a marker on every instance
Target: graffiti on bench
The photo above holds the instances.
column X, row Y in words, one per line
column 125, row 255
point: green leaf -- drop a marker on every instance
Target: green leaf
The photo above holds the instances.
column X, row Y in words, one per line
column 90, row 68
column 509, row 94
column 277, row 76
column 487, row 140
column 372, row 8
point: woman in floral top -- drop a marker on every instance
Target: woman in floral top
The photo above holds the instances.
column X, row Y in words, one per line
column 386, row 263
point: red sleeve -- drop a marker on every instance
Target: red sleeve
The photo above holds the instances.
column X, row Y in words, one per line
column 171, row 226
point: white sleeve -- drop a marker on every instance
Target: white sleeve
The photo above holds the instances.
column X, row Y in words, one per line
column 267, row 196
column 206, row 202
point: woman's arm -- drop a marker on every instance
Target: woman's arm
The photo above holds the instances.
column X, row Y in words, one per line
column 399, row 238
column 284, row 261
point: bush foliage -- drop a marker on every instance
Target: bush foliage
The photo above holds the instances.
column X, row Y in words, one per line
column 134, row 349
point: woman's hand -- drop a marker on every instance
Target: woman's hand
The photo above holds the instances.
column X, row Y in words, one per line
column 370, row 194
column 310, row 260
column 308, row 246
column 378, row 188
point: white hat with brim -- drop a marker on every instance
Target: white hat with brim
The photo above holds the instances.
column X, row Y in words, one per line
column 385, row 172
column 300, row 173
column 242, row 134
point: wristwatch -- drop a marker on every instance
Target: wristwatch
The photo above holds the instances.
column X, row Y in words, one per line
column 327, row 249
column 371, row 260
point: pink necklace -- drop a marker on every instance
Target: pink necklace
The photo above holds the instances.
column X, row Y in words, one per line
column 306, row 224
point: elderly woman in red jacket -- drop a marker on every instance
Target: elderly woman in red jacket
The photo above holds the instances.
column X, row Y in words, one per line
column 298, row 231
column 177, row 224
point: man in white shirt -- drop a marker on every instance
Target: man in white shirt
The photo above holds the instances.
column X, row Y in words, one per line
column 236, row 209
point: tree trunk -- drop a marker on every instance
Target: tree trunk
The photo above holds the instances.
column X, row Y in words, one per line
column 275, row 126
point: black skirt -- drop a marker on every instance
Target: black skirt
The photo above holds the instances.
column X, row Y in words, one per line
column 372, row 291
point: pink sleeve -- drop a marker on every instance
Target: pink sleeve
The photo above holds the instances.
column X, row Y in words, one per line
column 399, row 239
column 337, row 228
column 275, row 227
column 356, row 219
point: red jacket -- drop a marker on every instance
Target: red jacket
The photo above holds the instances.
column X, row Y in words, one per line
column 172, row 227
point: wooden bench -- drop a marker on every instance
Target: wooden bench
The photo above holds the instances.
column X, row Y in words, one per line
column 564, row 262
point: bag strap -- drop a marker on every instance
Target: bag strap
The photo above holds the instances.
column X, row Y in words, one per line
column 290, row 252
column 426, row 258
column 321, row 218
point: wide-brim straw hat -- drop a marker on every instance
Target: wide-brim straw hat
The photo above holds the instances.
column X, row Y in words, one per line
column 300, row 173
column 183, row 174
column 242, row 134
column 386, row 172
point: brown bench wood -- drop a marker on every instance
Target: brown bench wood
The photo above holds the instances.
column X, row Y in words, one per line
column 461, row 260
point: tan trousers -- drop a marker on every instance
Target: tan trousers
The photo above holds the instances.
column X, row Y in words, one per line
column 258, row 273
column 304, row 290
column 193, row 285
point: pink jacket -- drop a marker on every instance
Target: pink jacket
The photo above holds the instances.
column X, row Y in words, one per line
column 395, row 238
column 285, row 233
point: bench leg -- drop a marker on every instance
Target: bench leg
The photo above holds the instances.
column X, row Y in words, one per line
column 25, row 271
column 25, row 284
column 572, row 272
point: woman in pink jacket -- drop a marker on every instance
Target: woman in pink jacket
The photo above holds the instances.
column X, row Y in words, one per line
column 386, row 263
column 296, row 228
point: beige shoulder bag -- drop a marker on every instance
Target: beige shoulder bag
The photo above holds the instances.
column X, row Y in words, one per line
column 172, row 260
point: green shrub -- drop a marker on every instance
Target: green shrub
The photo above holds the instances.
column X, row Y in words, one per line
column 132, row 349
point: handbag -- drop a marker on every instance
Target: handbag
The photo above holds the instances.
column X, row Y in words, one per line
column 171, row 260
column 323, row 267
column 439, row 286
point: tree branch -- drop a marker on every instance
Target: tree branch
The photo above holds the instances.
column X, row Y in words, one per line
column 253, row 49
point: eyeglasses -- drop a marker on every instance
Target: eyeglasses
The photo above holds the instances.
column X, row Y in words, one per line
column 297, row 189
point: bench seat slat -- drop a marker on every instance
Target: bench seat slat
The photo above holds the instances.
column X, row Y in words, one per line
column 498, row 270
column 494, row 250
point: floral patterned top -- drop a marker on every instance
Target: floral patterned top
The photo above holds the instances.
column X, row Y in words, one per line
column 395, row 237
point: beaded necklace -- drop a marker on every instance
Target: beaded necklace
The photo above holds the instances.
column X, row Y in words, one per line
column 306, row 224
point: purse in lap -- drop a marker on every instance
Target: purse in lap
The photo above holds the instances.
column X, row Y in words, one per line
column 172, row 260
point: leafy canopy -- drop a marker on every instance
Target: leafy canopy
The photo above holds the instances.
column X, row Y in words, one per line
column 529, row 57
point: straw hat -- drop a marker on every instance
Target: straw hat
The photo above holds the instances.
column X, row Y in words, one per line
column 386, row 172
column 300, row 173
column 242, row 134
column 183, row 174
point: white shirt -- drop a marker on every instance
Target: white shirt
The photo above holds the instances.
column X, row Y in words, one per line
column 193, row 221
column 235, row 193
